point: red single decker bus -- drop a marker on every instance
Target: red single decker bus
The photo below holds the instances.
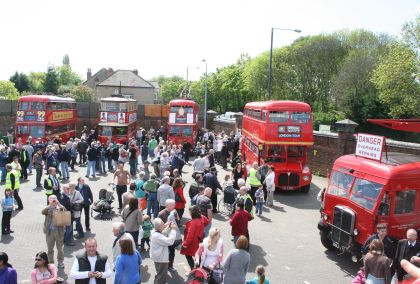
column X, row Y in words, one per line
column 42, row 117
column 117, row 119
column 279, row 132
column 182, row 122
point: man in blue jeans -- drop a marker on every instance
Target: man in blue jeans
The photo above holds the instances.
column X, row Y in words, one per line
column 91, row 155
column 65, row 201
column 150, row 187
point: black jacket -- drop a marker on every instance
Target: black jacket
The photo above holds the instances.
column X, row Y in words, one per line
column 84, row 265
column 404, row 251
column 92, row 154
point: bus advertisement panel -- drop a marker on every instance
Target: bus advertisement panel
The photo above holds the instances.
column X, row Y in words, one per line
column 279, row 132
column 182, row 122
column 44, row 117
column 117, row 119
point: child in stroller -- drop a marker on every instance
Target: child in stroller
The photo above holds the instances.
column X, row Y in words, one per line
column 103, row 204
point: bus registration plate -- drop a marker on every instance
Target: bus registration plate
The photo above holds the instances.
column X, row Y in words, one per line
column 336, row 245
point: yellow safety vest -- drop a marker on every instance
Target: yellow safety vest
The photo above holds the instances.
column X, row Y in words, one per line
column 253, row 180
column 8, row 183
column 49, row 190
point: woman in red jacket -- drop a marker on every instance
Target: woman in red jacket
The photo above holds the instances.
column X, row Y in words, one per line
column 193, row 234
column 180, row 201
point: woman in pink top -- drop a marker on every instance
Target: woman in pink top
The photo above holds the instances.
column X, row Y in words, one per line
column 210, row 252
column 44, row 272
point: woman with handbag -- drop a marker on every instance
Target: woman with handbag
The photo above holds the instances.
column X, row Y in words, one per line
column 76, row 200
column 43, row 272
column 193, row 234
column 132, row 218
column 180, row 201
column 210, row 252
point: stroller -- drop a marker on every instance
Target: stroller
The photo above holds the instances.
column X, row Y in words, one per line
column 197, row 276
column 103, row 205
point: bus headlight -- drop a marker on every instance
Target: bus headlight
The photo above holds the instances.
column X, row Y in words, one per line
column 356, row 232
column 325, row 217
column 305, row 178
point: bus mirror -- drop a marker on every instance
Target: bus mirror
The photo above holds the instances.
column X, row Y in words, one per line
column 260, row 147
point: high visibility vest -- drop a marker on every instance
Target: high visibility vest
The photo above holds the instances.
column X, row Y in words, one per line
column 253, row 180
column 24, row 155
column 49, row 190
column 8, row 183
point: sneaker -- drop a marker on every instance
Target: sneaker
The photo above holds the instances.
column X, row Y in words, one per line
column 11, row 232
column 60, row 265
column 172, row 269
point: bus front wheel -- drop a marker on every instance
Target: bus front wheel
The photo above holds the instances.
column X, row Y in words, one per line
column 325, row 240
column 305, row 189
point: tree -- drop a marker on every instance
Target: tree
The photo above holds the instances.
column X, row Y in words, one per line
column 66, row 77
column 51, row 81
column 21, row 82
column 170, row 87
column 8, row 91
column 411, row 34
column 66, row 60
column 36, row 81
column 82, row 93
column 395, row 78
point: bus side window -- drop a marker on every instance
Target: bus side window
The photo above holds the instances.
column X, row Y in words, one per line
column 404, row 201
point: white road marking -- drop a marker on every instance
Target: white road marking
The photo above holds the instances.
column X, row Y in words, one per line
column 287, row 267
column 306, row 282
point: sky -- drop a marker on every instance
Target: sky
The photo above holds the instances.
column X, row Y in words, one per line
column 165, row 37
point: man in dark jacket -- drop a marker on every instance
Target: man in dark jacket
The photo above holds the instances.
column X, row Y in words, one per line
column 82, row 147
column 210, row 180
column 3, row 162
column 92, row 154
column 381, row 234
column 86, row 192
column 24, row 162
column 81, row 270
column 406, row 249
column 13, row 153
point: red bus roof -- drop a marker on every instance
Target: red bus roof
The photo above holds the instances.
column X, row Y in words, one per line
column 278, row 105
column 393, row 165
column 410, row 125
column 181, row 102
column 45, row 98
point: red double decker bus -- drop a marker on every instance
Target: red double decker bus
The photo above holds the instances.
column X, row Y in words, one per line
column 182, row 122
column 279, row 132
column 42, row 117
column 117, row 119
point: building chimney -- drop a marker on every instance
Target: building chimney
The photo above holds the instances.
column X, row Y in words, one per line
column 136, row 72
column 89, row 74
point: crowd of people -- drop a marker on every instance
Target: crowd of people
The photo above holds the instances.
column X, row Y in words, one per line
column 151, row 204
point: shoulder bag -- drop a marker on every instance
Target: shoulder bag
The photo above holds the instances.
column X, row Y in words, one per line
column 61, row 218
column 217, row 274
column 75, row 206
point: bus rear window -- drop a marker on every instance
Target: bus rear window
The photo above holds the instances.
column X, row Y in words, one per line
column 174, row 131
column 23, row 129
column 300, row 117
column 186, row 109
column 296, row 151
column 278, row 116
column 365, row 193
column 340, row 183
column 187, row 131
column 37, row 131
column 24, row 105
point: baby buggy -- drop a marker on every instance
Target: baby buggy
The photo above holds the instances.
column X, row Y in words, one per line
column 103, row 206
column 227, row 203
column 197, row 276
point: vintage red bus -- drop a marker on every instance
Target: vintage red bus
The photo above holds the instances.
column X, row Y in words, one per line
column 366, row 189
column 279, row 132
column 42, row 116
column 182, row 122
column 117, row 119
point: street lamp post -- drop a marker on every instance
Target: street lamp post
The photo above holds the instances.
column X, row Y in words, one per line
column 270, row 69
column 205, row 98
column 186, row 91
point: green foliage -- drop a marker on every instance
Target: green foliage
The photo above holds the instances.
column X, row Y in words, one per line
column 170, row 87
column 327, row 118
column 51, row 81
column 411, row 34
column 36, row 81
column 8, row 91
column 82, row 93
column 395, row 78
column 66, row 77
column 66, row 60
column 21, row 82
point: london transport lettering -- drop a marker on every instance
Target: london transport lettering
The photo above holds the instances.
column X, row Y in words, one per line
column 289, row 131
column 369, row 146
column 56, row 116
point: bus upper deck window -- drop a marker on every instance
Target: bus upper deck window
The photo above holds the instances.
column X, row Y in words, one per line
column 300, row 117
column 278, row 116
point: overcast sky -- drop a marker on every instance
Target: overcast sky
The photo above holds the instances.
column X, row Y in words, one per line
column 165, row 37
